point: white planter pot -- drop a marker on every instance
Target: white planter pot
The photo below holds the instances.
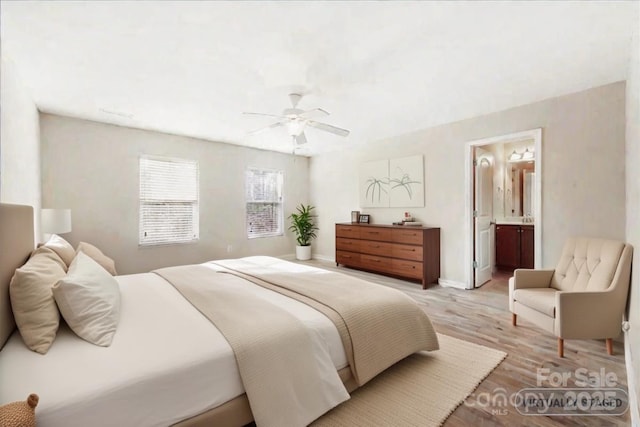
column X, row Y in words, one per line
column 303, row 253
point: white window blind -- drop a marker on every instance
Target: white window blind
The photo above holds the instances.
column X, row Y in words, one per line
column 168, row 201
column 263, row 189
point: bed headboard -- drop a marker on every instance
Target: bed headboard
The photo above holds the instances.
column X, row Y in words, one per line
column 16, row 244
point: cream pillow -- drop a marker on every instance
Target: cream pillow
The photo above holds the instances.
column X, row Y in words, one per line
column 97, row 255
column 62, row 248
column 89, row 300
column 34, row 307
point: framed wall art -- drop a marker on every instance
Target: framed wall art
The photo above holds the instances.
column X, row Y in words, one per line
column 396, row 183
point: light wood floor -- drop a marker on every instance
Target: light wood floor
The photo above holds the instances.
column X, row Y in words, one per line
column 482, row 316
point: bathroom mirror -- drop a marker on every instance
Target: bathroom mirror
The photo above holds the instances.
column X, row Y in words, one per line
column 519, row 188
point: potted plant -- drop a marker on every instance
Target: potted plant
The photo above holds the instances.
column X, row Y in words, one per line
column 303, row 225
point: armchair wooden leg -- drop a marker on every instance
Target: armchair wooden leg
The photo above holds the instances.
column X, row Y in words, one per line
column 560, row 347
column 610, row 346
column 513, row 319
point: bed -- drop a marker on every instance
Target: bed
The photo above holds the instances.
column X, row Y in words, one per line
column 168, row 363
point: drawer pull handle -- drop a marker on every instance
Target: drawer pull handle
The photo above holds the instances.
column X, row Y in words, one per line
column 376, row 246
column 374, row 232
column 409, row 250
column 375, row 260
column 347, row 256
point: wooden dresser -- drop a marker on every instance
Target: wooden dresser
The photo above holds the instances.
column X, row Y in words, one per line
column 402, row 251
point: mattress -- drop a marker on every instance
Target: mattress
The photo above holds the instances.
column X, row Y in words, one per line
column 167, row 362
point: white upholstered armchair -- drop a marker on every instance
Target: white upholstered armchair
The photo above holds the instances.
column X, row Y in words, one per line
column 583, row 298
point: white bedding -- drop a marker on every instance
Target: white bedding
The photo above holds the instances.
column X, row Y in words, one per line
column 166, row 363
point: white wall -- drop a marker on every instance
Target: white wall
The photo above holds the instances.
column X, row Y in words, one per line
column 633, row 202
column 19, row 142
column 92, row 168
column 583, row 181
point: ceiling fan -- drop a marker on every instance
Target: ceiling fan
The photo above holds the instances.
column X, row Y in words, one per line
column 296, row 120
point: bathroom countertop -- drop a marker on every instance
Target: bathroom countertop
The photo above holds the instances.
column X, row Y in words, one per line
column 513, row 222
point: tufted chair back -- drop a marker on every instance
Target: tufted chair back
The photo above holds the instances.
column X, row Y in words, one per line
column 587, row 264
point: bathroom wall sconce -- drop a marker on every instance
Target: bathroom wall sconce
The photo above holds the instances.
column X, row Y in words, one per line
column 527, row 155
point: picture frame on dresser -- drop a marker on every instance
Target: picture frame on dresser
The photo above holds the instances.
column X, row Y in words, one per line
column 363, row 219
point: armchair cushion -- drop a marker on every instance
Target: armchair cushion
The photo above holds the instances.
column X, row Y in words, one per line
column 526, row 278
column 587, row 264
column 542, row 300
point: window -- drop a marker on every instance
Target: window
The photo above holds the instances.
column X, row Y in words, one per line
column 168, row 201
column 264, row 202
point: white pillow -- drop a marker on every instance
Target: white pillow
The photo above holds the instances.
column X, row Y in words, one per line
column 89, row 300
column 62, row 248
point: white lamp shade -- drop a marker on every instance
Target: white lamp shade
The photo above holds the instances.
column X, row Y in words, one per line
column 56, row 221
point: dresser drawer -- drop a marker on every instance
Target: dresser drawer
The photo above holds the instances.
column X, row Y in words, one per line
column 403, row 251
column 349, row 231
column 407, row 236
column 344, row 244
column 375, row 262
column 375, row 248
column 406, row 268
column 347, row 258
column 375, row 233
column 409, row 252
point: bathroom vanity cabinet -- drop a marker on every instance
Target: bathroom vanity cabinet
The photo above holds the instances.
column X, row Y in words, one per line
column 514, row 246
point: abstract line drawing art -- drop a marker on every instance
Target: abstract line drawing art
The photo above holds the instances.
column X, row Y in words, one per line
column 392, row 183
column 374, row 184
column 406, row 181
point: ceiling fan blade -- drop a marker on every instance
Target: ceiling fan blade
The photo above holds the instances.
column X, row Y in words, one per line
column 316, row 112
column 271, row 126
column 265, row 114
column 328, row 128
column 301, row 139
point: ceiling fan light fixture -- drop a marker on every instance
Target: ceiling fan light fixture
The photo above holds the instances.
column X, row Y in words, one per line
column 295, row 127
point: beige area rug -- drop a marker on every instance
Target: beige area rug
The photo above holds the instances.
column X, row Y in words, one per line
column 422, row 390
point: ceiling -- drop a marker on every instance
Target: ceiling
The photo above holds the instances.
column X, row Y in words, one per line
column 380, row 68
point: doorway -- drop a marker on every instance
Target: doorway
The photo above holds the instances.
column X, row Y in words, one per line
column 502, row 186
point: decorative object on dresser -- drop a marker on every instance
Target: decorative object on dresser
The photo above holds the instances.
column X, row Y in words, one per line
column 364, row 219
column 412, row 253
column 355, row 216
column 303, row 225
column 514, row 246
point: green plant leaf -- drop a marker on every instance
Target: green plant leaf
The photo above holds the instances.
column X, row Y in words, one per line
column 303, row 225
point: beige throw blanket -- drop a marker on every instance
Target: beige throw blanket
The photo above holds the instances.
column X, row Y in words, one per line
column 382, row 325
column 287, row 378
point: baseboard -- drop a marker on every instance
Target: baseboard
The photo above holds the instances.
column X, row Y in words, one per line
column 324, row 258
column 292, row 257
column 451, row 284
column 634, row 394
